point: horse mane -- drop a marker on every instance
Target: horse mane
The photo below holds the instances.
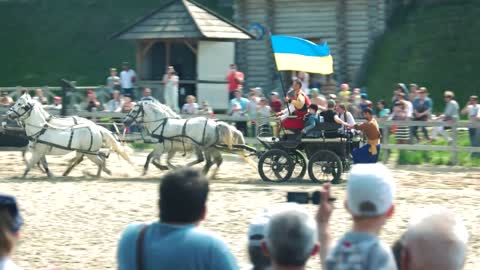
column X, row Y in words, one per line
column 164, row 108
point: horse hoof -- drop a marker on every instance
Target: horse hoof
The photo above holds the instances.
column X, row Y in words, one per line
column 163, row 168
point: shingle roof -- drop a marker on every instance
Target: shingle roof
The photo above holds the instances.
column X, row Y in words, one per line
column 183, row 19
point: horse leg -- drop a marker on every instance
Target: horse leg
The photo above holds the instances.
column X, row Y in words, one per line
column 103, row 157
column 73, row 162
column 36, row 156
column 159, row 165
column 155, row 154
column 170, row 155
column 44, row 163
column 217, row 157
column 200, row 157
column 98, row 161
column 208, row 163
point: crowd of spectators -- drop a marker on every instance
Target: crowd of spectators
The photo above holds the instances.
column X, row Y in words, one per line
column 281, row 236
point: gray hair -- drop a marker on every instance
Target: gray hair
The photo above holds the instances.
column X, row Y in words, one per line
column 436, row 239
column 290, row 237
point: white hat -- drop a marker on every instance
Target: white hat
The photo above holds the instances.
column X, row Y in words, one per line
column 370, row 190
column 256, row 229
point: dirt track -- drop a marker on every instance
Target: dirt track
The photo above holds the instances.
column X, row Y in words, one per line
column 75, row 222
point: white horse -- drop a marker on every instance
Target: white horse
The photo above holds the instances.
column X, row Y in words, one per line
column 176, row 134
column 47, row 138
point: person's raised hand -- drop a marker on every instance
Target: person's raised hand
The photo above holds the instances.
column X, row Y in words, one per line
column 325, row 208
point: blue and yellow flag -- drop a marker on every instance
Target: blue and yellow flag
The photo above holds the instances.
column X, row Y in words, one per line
column 296, row 54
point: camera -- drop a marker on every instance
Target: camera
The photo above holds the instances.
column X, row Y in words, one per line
column 305, row 197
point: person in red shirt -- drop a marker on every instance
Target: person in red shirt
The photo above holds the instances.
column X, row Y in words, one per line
column 275, row 103
column 300, row 102
column 235, row 80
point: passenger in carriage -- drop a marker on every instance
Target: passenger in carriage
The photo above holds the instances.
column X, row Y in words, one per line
column 369, row 152
column 330, row 116
column 300, row 102
column 346, row 116
column 312, row 119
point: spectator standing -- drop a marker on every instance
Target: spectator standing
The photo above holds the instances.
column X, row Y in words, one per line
column 383, row 113
column 370, row 195
column 290, row 238
column 170, row 92
column 113, row 81
column 235, row 80
column 5, row 100
column 264, row 112
column 344, row 92
column 413, row 92
column 253, row 103
column 92, row 103
column 402, row 133
column 408, row 105
column 176, row 241
column 115, row 104
column 275, row 103
column 401, row 88
column 304, row 77
column 10, row 224
column 450, row 115
column 57, row 104
column 436, row 238
column 472, row 109
column 127, row 77
column 422, row 109
column 238, row 108
column 39, row 97
column 191, row 106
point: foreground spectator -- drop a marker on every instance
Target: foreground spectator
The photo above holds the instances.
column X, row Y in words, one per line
column 450, row 115
column 113, row 81
column 5, row 100
column 10, row 224
column 39, row 97
column 370, row 195
column 170, row 90
column 435, row 239
column 290, row 238
column 176, row 241
column 191, row 106
column 92, row 103
column 472, row 109
column 256, row 234
column 235, row 80
column 127, row 78
column 115, row 104
column 422, row 108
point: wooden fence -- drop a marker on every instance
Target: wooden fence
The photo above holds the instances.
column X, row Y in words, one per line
column 386, row 126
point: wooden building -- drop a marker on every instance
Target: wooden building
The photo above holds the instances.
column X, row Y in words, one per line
column 349, row 26
column 196, row 41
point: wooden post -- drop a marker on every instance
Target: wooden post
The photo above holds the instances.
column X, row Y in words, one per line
column 139, row 60
column 167, row 52
column 385, row 138
column 454, row 160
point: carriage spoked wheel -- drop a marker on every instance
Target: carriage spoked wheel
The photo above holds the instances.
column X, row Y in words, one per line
column 275, row 166
column 325, row 166
column 299, row 164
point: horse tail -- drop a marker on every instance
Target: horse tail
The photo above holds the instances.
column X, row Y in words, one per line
column 225, row 134
column 111, row 142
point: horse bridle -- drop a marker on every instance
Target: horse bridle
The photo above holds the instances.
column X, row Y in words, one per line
column 27, row 107
column 140, row 111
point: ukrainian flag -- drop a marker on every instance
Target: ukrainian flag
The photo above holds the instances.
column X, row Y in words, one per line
column 296, row 54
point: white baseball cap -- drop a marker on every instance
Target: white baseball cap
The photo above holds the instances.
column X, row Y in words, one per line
column 370, row 190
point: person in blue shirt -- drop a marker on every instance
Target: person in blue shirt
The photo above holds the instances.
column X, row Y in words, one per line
column 312, row 119
column 238, row 107
column 176, row 241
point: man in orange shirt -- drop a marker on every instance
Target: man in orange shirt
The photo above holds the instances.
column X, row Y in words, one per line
column 300, row 102
column 235, row 80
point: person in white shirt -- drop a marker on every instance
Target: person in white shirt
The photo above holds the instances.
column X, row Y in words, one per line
column 127, row 78
column 191, row 107
column 57, row 104
column 39, row 97
column 347, row 117
column 170, row 90
column 472, row 109
column 115, row 104
column 113, row 81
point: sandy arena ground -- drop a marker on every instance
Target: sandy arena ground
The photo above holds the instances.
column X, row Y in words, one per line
column 75, row 222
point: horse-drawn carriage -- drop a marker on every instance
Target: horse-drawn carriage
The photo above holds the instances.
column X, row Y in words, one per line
column 325, row 157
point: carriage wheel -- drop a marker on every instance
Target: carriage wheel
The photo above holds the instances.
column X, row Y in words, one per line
column 325, row 166
column 300, row 164
column 275, row 166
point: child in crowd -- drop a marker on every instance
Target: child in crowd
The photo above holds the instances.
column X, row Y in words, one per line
column 205, row 109
column 312, row 119
column 263, row 113
column 191, row 106
column 369, row 199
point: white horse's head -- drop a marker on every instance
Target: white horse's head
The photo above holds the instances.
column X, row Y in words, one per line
column 22, row 108
column 147, row 111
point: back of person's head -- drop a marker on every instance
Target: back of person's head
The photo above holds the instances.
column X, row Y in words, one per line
column 331, row 104
column 10, row 223
column 367, row 110
column 370, row 191
column 437, row 239
column 290, row 237
column 256, row 235
column 313, row 107
column 183, row 196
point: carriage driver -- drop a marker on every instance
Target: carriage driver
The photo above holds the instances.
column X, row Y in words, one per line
column 300, row 102
column 369, row 152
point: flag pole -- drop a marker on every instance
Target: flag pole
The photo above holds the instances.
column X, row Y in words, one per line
column 279, row 72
